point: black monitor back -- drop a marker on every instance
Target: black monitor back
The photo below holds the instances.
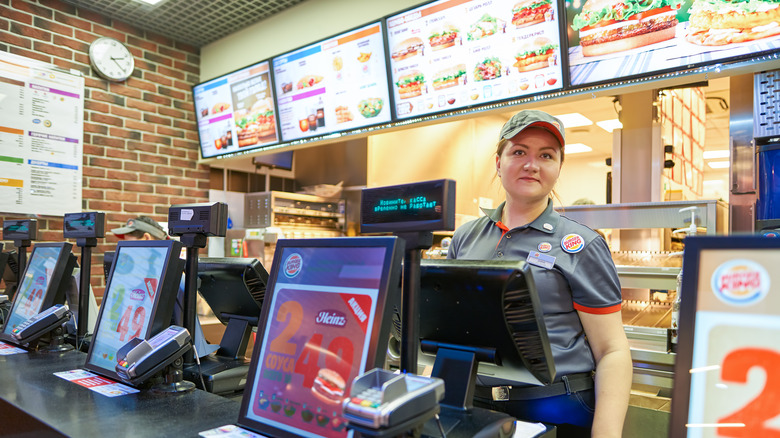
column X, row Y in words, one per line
column 232, row 286
column 487, row 305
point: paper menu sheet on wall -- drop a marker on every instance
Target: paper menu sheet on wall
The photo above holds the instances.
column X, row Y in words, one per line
column 41, row 137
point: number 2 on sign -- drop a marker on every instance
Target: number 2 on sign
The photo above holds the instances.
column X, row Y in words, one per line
column 339, row 355
column 133, row 324
column 765, row 406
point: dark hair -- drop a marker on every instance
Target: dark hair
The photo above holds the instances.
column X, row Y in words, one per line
column 139, row 234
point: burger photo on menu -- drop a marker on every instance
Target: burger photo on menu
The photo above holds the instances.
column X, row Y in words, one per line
column 489, row 68
column 721, row 22
column 443, row 37
column 535, row 53
column 329, row 386
column 609, row 26
column 256, row 123
column 410, row 84
column 407, row 48
column 528, row 12
column 450, row 77
column 486, row 26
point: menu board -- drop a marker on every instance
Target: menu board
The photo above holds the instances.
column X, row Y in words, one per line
column 235, row 112
column 457, row 53
column 33, row 286
column 128, row 304
column 608, row 43
column 726, row 378
column 335, row 85
column 316, row 338
column 41, row 137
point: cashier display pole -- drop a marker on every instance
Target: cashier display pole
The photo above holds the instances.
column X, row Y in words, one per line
column 412, row 212
column 86, row 228
column 22, row 232
column 194, row 223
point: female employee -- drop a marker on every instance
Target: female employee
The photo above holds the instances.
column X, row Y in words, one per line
column 577, row 282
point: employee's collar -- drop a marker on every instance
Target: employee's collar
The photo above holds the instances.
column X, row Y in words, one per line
column 547, row 222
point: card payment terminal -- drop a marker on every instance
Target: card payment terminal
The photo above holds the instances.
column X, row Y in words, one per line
column 40, row 324
column 380, row 398
column 140, row 359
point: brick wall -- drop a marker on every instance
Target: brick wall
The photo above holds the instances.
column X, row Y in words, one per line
column 140, row 137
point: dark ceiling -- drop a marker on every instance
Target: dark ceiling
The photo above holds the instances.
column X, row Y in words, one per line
column 195, row 22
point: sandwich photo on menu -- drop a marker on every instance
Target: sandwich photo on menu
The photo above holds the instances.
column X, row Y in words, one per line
column 407, row 48
column 721, row 22
column 450, row 77
column 528, row 12
column 443, row 37
column 535, row 53
column 486, row 26
column 410, row 84
column 609, row 26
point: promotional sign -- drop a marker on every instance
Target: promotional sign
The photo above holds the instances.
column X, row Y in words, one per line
column 236, row 111
column 334, row 85
column 316, row 338
column 735, row 357
column 611, row 40
column 454, row 53
column 41, row 135
column 33, row 286
column 128, row 303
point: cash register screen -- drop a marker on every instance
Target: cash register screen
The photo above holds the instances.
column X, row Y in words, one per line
column 324, row 314
column 138, row 300
column 40, row 283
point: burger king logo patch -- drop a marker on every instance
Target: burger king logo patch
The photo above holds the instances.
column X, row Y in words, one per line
column 544, row 247
column 572, row 243
column 740, row 282
column 292, row 266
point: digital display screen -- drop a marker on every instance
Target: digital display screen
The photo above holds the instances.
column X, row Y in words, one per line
column 33, row 286
column 24, row 229
column 322, row 314
column 128, row 304
column 84, row 225
column 452, row 54
column 279, row 160
column 335, row 85
column 425, row 206
column 607, row 42
column 236, row 112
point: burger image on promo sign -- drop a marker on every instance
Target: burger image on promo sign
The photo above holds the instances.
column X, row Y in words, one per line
column 329, row 386
column 721, row 22
column 609, row 26
column 740, row 282
column 292, row 265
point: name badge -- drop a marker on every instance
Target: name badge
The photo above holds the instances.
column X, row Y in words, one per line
column 545, row 261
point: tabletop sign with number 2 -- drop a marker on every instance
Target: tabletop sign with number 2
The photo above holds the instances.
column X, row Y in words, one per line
column 318, row 324
column 727, row 379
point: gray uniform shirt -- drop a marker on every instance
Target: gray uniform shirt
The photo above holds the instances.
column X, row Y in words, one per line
column 571, row 266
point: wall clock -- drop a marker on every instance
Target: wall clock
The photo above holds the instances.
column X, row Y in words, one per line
column 111, row 59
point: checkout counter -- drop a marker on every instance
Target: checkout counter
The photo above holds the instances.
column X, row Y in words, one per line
column 35, row 402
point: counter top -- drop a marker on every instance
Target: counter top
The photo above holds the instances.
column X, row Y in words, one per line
column 29, row 388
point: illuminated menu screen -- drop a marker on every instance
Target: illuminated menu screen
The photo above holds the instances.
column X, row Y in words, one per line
column 335, row 85
column 456, row 53
column 33, row 287
column 236, row 112
column 608, row 43
column 316, row 338
column 129, row 303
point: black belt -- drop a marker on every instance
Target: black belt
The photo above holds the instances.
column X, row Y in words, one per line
column 568, row 384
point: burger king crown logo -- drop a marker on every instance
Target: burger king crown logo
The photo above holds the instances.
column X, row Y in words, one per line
column 740, row 282
column 292, row 266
